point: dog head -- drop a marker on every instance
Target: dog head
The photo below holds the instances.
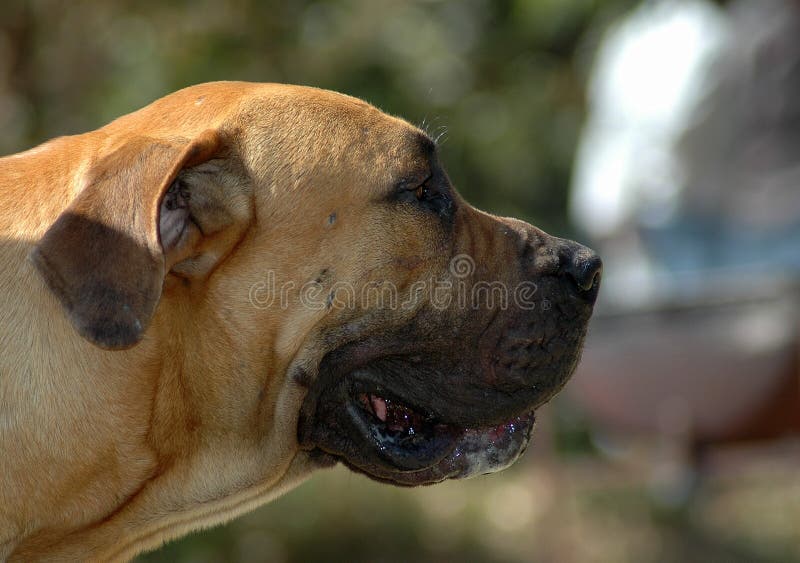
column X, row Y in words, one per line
column 304, row 260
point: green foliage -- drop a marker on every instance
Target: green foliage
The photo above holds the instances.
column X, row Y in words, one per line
column 500, row 81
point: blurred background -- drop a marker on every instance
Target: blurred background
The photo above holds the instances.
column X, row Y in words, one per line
column 664, row 133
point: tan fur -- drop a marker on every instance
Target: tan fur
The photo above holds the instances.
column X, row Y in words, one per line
column 107, row 453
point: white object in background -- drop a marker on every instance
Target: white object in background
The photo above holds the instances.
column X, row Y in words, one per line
column 647, row 80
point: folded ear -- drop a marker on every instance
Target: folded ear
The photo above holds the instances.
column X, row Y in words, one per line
column 103, row 257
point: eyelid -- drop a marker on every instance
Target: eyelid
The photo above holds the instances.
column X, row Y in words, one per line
column 411, row 183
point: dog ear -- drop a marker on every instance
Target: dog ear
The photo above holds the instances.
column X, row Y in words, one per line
column 103, row 257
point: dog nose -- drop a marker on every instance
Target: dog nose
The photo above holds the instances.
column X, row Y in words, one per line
column 585, row 268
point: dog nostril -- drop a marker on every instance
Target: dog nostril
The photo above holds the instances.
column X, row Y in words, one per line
column 585, row 269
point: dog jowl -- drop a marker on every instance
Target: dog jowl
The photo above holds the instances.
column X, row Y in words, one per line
column 154, row 382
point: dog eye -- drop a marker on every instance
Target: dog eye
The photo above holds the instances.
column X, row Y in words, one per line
column 422, row 191
column 430, row 194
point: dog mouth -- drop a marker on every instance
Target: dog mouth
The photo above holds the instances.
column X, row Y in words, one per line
column 406, row 437
column 428, row 450
column 374, row 431
column 442, row 396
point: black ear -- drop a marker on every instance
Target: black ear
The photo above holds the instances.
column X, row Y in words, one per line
column 103, row 256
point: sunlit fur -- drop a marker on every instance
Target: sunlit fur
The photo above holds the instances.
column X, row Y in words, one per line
column 104, row 454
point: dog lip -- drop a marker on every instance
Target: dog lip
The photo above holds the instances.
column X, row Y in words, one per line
column 436, row 450
column 476, row 451
column 404, row 437
column 367, row 427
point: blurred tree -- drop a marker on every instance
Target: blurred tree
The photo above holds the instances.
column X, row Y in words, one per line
column 500, row 81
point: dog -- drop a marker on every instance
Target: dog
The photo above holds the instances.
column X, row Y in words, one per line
column 208, row 299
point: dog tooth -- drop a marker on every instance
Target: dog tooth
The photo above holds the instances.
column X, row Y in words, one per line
column 378, row 407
